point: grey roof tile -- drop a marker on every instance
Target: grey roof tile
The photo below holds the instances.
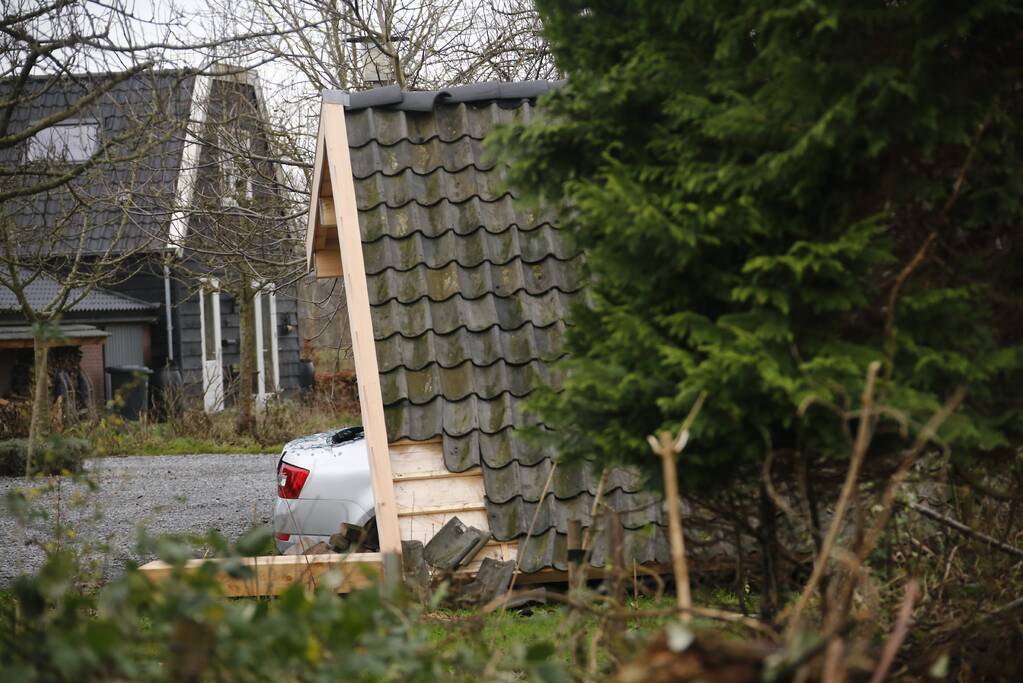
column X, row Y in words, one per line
column 644, row 544
column 515, row 517
column 446, row 123
column 442, row 415
column 393, row 97
column 404, row 155
column 445, row 216
column 486, row 382
column 429, row 188
column 483, row 347
column 570, row 479
column 468, row 250
column 443, row 317
column 470, row 293
column 474, row 282
column 495, row 450
column 42, row 289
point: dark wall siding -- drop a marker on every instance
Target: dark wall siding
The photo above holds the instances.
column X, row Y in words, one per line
column 190, row 335
column 289, row 345
column 146, row 283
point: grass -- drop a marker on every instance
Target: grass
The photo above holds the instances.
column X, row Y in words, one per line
column 504, row 631
column 194, row 431
column 157, row 441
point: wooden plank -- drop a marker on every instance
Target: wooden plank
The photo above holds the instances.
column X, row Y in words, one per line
column 435, row 474
column 316, row 187
column 339, row 164
column 432, row 494
column 328, row 263
column 275, row 573
column 328, row 217
column 402, row 443
column 442, row 509
column 414, row 457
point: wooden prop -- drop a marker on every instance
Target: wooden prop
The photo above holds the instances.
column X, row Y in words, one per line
column 667, row 447
column 342, row 193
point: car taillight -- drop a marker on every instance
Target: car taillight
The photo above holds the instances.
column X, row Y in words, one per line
column 290, row 480
column 283, row 537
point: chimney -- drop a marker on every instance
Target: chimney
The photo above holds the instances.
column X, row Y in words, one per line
column 373, row 65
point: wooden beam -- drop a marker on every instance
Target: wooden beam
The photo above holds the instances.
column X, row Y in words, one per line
column 339, row 164
column 436, row 474
column 273, row 574
column 443, row 509
column 328, row 263
column 328, row 217
column 314, row 191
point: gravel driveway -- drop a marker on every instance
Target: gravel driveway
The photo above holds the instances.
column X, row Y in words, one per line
column 164, row 494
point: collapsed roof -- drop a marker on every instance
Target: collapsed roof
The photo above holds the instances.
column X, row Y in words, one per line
column 470, row 293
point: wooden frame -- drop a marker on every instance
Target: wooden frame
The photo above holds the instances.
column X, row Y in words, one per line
column 332, row 141
column 275, row 573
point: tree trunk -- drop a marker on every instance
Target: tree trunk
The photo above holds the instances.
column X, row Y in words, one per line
column 40, row 394
column 770, row 600
column 246, row 423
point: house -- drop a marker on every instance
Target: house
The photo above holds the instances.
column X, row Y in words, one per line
column 99, row 322
column 196, row 172
column 458, row 298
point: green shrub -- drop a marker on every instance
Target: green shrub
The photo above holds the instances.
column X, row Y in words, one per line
column 54, row 456
column 183, row 629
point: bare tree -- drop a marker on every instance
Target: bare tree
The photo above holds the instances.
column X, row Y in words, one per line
column 62, row 215
column 315, row 45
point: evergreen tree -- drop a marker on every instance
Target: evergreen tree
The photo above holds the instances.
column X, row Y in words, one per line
column 771, row 195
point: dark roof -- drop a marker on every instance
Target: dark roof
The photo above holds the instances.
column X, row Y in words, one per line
column 42, row 290
column 24, row 332
column 394, row 98
column 470, row 291
column 151, row 109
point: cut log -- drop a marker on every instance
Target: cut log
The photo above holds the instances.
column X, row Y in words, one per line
column 455, row 544
column 414, row 570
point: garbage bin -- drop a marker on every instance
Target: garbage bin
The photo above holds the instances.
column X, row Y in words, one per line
column 306, row 375
column 164, row 392
column 129, row 385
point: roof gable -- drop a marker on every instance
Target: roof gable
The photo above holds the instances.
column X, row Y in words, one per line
column 123, row 202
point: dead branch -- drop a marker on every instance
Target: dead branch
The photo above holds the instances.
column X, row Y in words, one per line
column 667, row 448
column 966, row 530
column 863, row 436
column 898, row 633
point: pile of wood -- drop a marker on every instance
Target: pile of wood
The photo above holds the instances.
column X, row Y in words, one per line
column 425, row 566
